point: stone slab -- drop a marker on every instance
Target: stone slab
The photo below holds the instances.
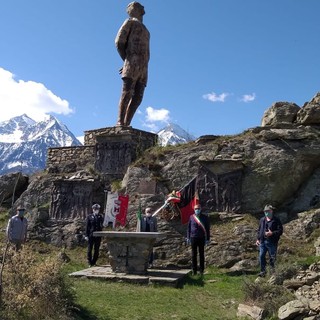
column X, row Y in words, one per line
column 128, row 234
column 167, row 277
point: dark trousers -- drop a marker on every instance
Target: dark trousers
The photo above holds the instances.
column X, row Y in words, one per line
column 197, row 245
column 93, row 244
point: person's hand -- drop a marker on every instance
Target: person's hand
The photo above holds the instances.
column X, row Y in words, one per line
column 86, row 238
column 207, row 242
column 188, row 242
column 258, row 242
column 268, row 233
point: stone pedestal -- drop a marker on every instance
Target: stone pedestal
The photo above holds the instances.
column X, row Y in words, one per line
column 129, row 251
column 117, row 147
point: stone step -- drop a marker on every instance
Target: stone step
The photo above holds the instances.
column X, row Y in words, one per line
column 167, row 277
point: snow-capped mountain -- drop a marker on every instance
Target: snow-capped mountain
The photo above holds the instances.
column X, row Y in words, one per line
column 173, row 134
column 24, row 142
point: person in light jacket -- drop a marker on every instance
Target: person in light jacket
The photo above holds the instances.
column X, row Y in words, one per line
column 17, row 228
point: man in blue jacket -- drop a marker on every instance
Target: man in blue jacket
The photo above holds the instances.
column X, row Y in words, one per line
column 198, row 235
column 268, row 235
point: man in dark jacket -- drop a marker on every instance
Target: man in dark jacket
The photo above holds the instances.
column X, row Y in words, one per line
column 268, row 235
column 198, row 235
column 94, row 223
column 149, row 224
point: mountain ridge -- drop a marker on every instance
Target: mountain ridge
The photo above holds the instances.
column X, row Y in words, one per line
column 24, row 142
column 173, row 134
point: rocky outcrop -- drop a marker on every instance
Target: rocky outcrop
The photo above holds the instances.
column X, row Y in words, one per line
column 11, row 187
column 307, row 292
column 309, row 114
column 286, row 113
column 306, row 288
column 280, row 113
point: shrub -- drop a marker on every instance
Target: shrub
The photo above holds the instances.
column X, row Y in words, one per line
column 34, row 289
column 265, row 295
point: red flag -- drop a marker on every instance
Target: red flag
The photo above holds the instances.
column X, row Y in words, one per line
column 121, row 217
column 188, row 199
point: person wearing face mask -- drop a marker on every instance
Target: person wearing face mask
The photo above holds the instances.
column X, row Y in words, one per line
column 268, row 235
column 149, row 224
column 17, row 228
column 94, row 223
column 198, row 235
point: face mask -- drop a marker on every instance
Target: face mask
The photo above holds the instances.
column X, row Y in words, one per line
column 197, row 211
column 21, row 213
column 268, row 214
column 148, row 214
column 95, row 211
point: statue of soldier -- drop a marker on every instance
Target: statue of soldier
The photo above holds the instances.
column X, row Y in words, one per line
column 132, row 43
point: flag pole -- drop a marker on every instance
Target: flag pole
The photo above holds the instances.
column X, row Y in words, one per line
column 158, row 210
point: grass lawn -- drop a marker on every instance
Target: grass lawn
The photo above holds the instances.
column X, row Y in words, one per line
column 216, row 296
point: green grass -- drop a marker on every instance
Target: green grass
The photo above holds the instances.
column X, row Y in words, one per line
column 216, row 296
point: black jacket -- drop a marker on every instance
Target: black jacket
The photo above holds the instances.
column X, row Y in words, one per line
column 94, row 223
column 274, row 225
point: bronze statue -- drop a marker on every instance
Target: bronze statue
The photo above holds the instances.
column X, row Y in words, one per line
column 132, row 43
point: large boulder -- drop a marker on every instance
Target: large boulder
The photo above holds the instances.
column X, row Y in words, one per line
column 280, row 113
column 309, row 114
column 292, row 310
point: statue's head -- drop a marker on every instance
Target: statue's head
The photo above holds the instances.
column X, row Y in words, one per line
column 135, row 9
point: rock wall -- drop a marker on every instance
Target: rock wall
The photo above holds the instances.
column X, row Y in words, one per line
column 69, row 159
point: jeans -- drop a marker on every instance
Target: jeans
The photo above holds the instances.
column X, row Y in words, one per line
column 271, row 248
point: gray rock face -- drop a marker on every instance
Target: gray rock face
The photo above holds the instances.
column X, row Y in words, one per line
column 306, row 288
column 302, row 227
column 310, row 112
column 253, row 312
column 280, row 113
column 292, row 309
column 12, row 185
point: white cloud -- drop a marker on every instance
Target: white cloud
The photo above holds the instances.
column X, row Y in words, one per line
column 157, row 115
column 213, row 97
column 248, row 97
column 33, row 98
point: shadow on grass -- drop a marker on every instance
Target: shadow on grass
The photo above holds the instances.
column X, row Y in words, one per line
column 80, row 313
column 241, row 273
column 194, row 280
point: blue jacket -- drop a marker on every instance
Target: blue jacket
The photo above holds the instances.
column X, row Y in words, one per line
column 274, row 225
column 196, row 231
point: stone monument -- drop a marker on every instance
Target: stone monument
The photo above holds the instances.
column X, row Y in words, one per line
column 129, row 251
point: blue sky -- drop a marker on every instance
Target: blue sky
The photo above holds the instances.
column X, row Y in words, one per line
column 215, row 67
